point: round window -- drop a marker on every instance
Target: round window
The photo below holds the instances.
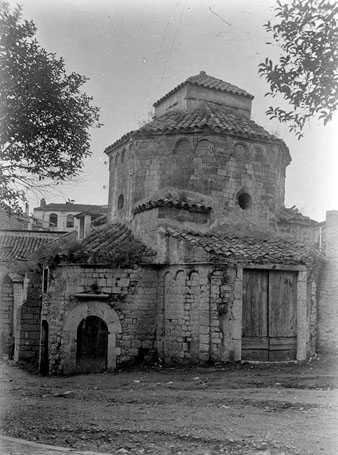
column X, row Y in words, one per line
column 244, row 201
column 120, row 202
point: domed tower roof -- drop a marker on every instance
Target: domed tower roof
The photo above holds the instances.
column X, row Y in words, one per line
column 201, row 103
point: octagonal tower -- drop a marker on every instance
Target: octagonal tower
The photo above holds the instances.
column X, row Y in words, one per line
column 201, row 161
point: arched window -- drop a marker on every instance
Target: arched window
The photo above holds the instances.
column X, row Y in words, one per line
column 70, row 221
column 53, row 220
column 117, row 159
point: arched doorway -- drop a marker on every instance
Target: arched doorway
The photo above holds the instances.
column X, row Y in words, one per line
column 44, row 360
column 92, row 345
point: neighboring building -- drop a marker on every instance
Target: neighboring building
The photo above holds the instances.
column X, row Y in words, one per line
column 20, row 291
column 10, row 220
column 64, row 217
column 223, row 272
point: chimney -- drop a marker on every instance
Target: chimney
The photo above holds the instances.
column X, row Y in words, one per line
column 43, row 203
column 27, row 209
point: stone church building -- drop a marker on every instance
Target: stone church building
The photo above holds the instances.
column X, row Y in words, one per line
column 198, row 259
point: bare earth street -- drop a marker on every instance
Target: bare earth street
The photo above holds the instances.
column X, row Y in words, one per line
column 237, row 409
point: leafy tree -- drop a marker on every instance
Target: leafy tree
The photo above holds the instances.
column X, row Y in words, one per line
column 307, row 71
column 44, row 117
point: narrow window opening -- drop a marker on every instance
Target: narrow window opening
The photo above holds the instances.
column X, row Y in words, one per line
column 120, row 202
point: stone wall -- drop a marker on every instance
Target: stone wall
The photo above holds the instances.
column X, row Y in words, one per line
column 200, row 315
column 28, row 344
column 218, row 166
column 20, row 305
column 328, row 288
column 6, row 308
column 305, row 233
column 129, row 296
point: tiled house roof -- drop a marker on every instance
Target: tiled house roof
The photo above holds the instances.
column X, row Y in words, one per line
column 21, row 244
column 114, row 245
column 204, row 80
column 248, row 250
column 217, row 120
column 73, row 207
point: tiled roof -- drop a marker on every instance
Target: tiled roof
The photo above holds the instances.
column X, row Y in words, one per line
column 114, row 244
column 173, row 198
column 100, row 220
column 215, row 119
column 292, row 214
column 74, row 207
column 248, row 249
column 20, row 244
column 204, row 80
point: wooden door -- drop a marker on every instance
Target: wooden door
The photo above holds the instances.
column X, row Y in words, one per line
column 282, row 315
column 269, row 327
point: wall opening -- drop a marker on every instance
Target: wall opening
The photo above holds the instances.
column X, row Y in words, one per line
column 92, row 345
column 53, row 219
column 70, row 221
column 44, row 358
column 244, row 201
column 120, row 202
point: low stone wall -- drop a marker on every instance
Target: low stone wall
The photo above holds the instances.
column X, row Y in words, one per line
column 328, row 289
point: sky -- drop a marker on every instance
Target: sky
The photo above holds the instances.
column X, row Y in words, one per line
column 135, row 51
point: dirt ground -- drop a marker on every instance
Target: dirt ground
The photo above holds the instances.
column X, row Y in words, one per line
column 283, row 409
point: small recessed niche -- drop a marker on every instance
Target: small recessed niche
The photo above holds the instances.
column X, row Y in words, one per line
column 123, row 155
column 120, row 202
column 244, row 201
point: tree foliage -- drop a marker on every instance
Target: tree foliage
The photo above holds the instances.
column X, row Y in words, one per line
column 44, row 117
column 307, row 71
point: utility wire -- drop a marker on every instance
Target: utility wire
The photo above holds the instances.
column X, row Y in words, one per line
column 172, row 45
column 156, row 62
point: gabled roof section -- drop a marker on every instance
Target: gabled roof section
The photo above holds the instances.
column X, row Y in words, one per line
column 204, row 80
column 18, row 245
column 249, row 249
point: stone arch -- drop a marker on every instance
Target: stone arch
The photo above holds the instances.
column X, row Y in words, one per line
column 179, row 165
column 180, row 275
column 91, row 308
column 204, row 148
column 193, row 274
column 258, row 153
column 182, row 147
column 240, row 148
